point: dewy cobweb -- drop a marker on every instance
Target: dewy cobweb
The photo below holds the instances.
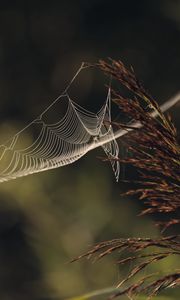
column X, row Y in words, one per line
column 61, row 143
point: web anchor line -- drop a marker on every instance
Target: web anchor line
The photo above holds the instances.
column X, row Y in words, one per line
column 64, row 142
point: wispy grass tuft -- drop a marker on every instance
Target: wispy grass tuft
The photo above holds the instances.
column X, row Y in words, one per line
column 155, row 155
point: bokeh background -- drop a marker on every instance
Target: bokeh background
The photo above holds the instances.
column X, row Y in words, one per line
column 48, row 218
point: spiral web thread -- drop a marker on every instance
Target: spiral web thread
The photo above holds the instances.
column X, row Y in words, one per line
column 61, row 143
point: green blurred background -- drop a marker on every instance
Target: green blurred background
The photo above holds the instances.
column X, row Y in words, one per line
column 48, row 218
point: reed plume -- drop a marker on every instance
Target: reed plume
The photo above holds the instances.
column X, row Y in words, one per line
column 155, row 156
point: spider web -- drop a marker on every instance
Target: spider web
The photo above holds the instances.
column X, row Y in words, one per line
column 61, row 143
column 64, row 142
